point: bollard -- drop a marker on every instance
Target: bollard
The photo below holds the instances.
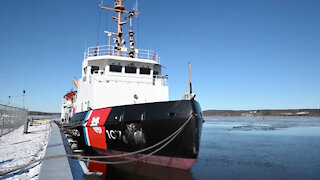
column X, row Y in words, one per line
column 26, row 126
column 31, row 121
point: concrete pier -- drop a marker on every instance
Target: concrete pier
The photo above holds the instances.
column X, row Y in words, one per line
column 55, row 168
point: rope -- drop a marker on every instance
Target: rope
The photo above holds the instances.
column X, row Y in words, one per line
column 32, row 162
column 71, row 126
column 139, row 151
column 86, row 158
column 132, row 160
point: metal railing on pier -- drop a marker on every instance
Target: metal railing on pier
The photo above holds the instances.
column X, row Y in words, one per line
column 11, row 118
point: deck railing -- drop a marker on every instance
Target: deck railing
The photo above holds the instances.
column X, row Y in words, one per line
column 155, row 80
column 110, row 50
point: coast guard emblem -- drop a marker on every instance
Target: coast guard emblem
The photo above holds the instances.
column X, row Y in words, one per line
column 94, row 129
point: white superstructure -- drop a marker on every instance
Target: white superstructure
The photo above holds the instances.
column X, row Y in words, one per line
column 112, row 80
column 67, row 108
column 117, row 75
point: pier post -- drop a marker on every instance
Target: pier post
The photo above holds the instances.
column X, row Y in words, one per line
column 25, row 130
column 31, row 121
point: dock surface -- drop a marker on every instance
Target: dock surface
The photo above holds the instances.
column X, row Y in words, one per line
column 56, row 168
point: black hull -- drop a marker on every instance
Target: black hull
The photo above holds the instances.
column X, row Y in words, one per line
column 129, row 128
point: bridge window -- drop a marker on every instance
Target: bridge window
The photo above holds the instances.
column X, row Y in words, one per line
column 145, row 70
column 94, row 68
column 131, row 69
column 115, row 68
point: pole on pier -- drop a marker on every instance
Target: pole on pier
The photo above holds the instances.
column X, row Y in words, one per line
column 23, row 94
column 190, row 81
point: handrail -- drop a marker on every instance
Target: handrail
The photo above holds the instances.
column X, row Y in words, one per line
column 110, row 50
column 139, row 80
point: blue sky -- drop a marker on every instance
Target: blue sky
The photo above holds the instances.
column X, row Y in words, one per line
column 248, row 54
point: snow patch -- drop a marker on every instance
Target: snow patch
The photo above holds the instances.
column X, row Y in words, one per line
column 17, row 149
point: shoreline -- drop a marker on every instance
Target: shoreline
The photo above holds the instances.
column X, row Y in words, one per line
column 265, row 113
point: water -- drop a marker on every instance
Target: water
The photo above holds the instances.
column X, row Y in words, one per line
column 253, row 148
column 244, row 148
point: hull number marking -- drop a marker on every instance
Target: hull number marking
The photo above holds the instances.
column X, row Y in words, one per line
column 114, row 134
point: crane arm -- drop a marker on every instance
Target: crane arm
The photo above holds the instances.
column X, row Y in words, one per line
column 75, row 82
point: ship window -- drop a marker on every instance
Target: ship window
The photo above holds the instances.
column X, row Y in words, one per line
column 94, row 68
column 85, row 70
column 155, row 72
column 145, row 70
column 130, row 69
column 115, row 68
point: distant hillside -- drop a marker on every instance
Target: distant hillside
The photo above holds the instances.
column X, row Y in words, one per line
column 41, row 113
column 264, row 112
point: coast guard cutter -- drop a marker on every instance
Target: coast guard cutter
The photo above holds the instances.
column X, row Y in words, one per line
column 122, row 105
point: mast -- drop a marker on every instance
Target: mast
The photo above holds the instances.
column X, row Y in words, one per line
column 119, row 8
column 190, row 81
column 131, row 52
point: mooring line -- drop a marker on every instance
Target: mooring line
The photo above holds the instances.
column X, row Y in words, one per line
column 87, row 158
column 32, row 162
column 142, row 150
column 136, row 159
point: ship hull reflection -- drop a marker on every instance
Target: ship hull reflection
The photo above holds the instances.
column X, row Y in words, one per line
column 136, row 170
